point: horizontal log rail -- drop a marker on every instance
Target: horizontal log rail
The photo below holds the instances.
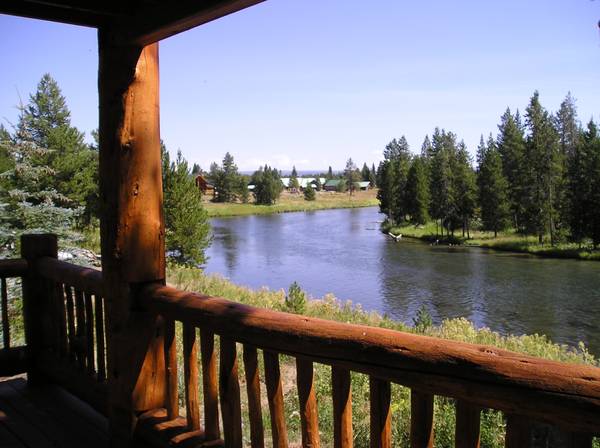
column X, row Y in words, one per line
column 477, row 376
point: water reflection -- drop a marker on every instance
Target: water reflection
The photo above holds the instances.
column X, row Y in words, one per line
column 342, row 251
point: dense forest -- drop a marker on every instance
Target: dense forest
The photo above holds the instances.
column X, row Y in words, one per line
column 539, row 176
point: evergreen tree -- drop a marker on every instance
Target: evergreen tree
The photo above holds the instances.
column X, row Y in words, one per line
column 329, row 175
column 385, row 182
column 196, row 169
column 443, row 203
column 417, row 192
column 309, row 193
column 373, row 176
column 493, row 188
column 294, row 184
column 267, row 185
column 401, row 161
column 227, row 181
column 27, row 204
column 592, row 142
column 511, row 145
column 318, row 185
column 579, row 184
column 186, row 219
column 427, row 149
column 351, row 175
column 544, row 171
column 365, row 173
column 46, row 120
column 465, row 186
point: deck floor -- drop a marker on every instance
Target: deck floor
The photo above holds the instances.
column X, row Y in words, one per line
column 47, row 416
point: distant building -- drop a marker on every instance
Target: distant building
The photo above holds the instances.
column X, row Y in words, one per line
column 332, row 184
column 302, row 182
column 204, row 186
column 363, row 185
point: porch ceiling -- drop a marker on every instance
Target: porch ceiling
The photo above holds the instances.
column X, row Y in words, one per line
column 134, row 22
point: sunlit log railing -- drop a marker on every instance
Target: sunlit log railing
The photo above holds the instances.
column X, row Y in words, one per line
column 526, row 389
column 12, row 351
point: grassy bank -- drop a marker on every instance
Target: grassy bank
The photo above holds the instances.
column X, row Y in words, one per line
column 505, row 241
column 328, row 307
column 295, row 203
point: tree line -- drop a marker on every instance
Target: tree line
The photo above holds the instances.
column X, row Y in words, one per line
column 540, row 176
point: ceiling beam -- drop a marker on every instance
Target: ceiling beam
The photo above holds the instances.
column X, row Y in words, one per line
column 92, row 14
column 151, row 24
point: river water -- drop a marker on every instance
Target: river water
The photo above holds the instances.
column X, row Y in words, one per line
column 344, row 253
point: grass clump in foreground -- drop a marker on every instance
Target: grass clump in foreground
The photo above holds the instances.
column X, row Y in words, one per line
column 492, row 422
column 505, row 241
column 295, row 203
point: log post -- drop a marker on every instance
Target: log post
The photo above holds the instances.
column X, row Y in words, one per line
column 131, row 228
column 37, row 301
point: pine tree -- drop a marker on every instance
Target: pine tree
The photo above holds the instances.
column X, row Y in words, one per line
column 196, row 169
column 227, row 181
column 351, row 176
column 593, row 170
column 511, row 145
column 294, row 184
column 544, row 171
column 27, row 204
column 318, row 185
column 443, row 202
column 400, row 158
column 267, row 185
column 46, row 120
column 373, row 176
column 309, row 193
column 417, row 192
column 493, row 188
column 365, row 173
column 329, row 175
column 186, row 219
column 465, row 186
column 579, row 185
column 385, row 179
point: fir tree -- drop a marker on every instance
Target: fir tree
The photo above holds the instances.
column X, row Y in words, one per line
column 493, row 188
column 351, row 176
column 196, row 169
column 465, row 187
column 511, row 145
column 417, row 192
column 401, row 161
column 442, row 204
column 267, row 185
column 309, row 193
column 186, row 219
column 227, row 181
column 365, row 172
column 318, row 185
column 329, row 175
column 544, row 171
column 294, row 184
column 373, row 176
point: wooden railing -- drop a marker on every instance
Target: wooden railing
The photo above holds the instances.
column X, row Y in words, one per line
column 526, row 389
column 12, row 351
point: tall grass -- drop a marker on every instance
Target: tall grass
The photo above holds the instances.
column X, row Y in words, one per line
column 329, row 307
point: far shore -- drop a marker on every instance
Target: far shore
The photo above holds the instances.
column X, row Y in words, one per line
column 295, row 202
column 508, row 241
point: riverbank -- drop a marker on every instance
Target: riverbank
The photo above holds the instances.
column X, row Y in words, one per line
column 289, row 202
column 508, row 241
column 328, row 307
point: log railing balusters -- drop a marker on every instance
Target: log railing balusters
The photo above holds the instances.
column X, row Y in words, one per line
column 467, row 425
column 71, row 335
column 342, row 407
column 257, row 436
column 275, row 397
column 210, row 386
column 100, row 343
column 190, row 367
column 381, row 429
column 172, row 400
column 89, row 333
column 5, row 320
column 229, row 391
column 61, row 323
column 421, row 420
column 309, row 415
column 80, row 329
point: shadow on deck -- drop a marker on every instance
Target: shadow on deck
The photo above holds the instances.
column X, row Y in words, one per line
column 47, row 417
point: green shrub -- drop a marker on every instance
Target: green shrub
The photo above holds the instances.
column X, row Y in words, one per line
column 295, row 301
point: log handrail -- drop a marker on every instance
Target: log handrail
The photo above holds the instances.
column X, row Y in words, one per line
column 484, row 376
column 79, row 277
column 15, row 267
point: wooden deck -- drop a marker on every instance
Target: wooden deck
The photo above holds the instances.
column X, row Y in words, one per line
column 47, row 416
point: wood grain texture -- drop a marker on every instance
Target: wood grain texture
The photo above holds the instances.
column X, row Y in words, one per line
column 100, row 337
column 70, row 304
column 309, row 414
column 190, row 377
column 5, row 320
column 257, row 435
column 518, row 431
column 381, row 417
column 89, row 333
column 229, row 391
column 210, row 386
column 421, row 420
column 467, row 425
column 275, row 397
column 342, row 407
column 566, row 394
column 171, row 383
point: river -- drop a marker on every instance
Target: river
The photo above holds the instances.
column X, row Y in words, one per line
column 344, row 253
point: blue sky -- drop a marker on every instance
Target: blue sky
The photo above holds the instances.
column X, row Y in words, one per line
column 314, row 82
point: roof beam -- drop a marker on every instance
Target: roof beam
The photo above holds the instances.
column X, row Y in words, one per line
column 93, row 14
column 151, row 24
